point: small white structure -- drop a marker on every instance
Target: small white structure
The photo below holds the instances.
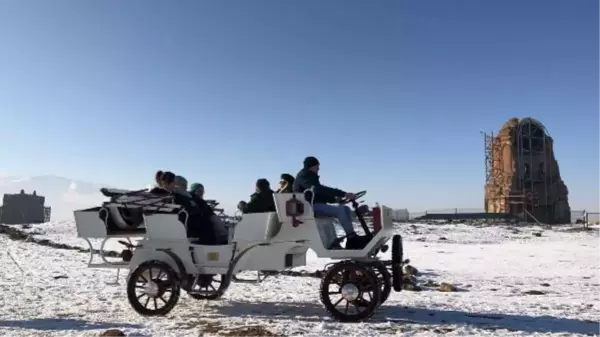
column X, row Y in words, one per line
column 400, row 215
column 165, row 260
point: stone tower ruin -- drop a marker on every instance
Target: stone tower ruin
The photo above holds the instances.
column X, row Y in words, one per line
column 522, row 174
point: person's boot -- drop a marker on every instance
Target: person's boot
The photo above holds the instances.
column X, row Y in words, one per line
column 336, row 244
column 356, row 242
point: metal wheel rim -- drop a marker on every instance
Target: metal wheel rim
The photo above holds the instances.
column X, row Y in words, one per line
column 151, row 287
column 364, row 298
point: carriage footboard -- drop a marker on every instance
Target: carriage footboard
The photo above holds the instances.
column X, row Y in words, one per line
column 104, row 255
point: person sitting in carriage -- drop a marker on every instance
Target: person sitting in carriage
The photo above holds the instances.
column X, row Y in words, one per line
column 261, row 201
column 165, row 183
column 197, row 189
column 286, row 183
column 208, row 216
column 199, row 223
column 323, row 196
column 221, row 231
column 168, row 183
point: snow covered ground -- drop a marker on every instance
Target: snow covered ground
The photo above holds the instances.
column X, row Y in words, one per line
column 494, row 268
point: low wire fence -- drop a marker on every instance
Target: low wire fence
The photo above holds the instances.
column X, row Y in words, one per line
column 585, row 217
column 593, row 218
column 577, row 216
column 454, row 210
column 446, row 211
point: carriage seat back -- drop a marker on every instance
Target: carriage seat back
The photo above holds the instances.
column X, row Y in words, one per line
column 257, row 227
column 166, row 226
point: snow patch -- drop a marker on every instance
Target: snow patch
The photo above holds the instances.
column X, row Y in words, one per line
column 497, row 267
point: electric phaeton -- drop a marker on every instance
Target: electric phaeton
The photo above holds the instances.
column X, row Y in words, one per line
column 164, row 261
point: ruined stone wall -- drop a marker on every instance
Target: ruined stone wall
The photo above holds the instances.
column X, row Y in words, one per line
column 22, row 209
column 503, row 169
column 546, row 198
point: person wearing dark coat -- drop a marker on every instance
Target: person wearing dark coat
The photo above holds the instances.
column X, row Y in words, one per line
column 199, row 223
column 286, row 183
column 261, row 201
column 323, row 196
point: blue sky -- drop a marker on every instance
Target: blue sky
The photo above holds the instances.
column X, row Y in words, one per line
column 389, row 95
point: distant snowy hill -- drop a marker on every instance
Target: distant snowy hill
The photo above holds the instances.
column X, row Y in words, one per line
column 62, row 194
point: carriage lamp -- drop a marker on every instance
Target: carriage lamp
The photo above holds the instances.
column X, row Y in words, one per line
column 376, row 219
column 294, row 208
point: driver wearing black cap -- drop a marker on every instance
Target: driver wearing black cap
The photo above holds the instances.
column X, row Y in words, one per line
column 324, row 196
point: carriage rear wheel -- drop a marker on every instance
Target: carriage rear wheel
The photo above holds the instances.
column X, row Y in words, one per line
column 153, row 288
column 208, row 287
column 350, row 292
column 384, row 278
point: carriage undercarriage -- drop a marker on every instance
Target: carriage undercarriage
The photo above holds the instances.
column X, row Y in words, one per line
column 163, row 264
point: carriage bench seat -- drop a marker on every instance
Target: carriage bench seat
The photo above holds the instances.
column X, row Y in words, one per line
column 96, row 222
column 257, row 227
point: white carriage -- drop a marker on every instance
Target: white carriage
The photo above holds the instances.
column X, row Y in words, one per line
column 165, row 261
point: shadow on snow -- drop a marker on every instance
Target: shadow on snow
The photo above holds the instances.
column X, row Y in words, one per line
column 403, row 315
column 62, row 324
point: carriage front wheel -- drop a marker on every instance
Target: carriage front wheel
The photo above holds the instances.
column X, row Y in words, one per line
column 153, row 288
column 385, row 280
column 350, row 291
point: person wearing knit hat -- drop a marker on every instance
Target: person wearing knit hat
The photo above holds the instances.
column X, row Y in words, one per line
column 181, row 182
column 181, row 185
column 323, row 196
column 311, row 162
column 261, row 201
column 221, row 232
column 197, row 189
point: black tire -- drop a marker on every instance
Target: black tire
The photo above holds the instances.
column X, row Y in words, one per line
column 209, row 287
column 384, row 278
column 397, row 249
column 397, row 277
column 151, row 273
column 397, row 256
column 364, row 281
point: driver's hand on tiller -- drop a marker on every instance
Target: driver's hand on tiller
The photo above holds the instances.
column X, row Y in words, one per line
column 349, row 196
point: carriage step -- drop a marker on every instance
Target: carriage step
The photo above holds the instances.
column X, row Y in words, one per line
column 116, row 265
